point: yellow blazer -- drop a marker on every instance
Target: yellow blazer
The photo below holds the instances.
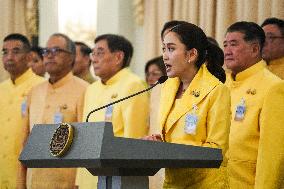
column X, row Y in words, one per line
column 212, row 99
column 277, row 67
column 255, row 147
column 13, row 102
column 130, row 118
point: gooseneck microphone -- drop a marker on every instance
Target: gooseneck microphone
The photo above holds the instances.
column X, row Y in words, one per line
column 161, row 80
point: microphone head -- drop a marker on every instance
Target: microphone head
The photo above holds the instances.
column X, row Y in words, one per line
column 162, row 79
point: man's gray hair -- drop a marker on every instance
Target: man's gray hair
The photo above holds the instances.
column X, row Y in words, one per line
column 70, row 45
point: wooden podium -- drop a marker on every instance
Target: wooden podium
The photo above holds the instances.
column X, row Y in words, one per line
column 120, row 163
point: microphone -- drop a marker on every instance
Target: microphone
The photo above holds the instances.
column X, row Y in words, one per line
column 161, row 80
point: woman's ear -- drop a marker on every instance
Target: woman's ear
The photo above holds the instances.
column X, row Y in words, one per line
column 192, row 55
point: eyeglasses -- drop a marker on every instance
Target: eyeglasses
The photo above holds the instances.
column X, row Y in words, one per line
column 98, row 54
column 14, row 52
column 53, row 51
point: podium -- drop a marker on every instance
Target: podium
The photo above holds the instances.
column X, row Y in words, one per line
column 120, row 163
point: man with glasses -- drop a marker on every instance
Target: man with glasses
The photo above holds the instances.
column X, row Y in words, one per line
column 13, row 101
column 256, row 153
column 111, row 57
column 273, row 50
column 60, row 99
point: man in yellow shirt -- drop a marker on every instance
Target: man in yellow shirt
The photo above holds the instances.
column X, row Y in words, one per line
column 273, row 50
column 83, row 62
column 13, row 102
column 60, row 99
column 256, row 153
column 111, row 57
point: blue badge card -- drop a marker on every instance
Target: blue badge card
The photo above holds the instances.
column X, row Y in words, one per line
column 190, row 123
column 58, row 117
column 108, row 114
column 240, row 111
column 24, row 107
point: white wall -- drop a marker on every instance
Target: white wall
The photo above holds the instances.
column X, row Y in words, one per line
column 116, row 16
column 48, row 16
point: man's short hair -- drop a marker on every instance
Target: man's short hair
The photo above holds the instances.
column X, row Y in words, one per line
column 70, row 45
column 38, row 51
column 19, row 37
column 84, row 49
column 275, row 21
column 251, row 31
column 118, row 43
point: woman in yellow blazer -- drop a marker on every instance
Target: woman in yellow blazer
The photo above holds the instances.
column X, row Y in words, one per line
column 194, row 104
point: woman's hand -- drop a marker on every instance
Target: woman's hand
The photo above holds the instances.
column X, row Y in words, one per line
column 153, row 137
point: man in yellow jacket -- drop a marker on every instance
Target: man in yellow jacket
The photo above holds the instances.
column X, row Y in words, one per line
column 256, row 153
column 273, row 50
column 60, row 99
column 111, row 57
column 13, row 103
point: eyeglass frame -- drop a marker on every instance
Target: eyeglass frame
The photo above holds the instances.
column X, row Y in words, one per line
column 54, row 51
column 100, row 53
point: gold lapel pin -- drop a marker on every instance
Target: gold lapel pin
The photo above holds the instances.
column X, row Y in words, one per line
column 114, row 95
column 251, row 91
column 195, row 93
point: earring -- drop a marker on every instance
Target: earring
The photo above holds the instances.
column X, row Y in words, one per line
column 188, row 61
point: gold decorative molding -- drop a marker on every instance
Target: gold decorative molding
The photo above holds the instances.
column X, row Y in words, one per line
column 32, row 17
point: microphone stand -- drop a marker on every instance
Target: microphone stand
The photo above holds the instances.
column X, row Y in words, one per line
column 161, row 80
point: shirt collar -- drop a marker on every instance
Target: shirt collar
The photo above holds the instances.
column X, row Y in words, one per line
column 116, row 77
column 24, row 77
column 251, row 70
column 62, row 81
column 277, row 61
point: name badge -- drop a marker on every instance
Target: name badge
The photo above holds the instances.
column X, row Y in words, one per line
column 24, row 108
column 191, row 120
column 58, row 117
column 190, row 124
column 108, row 114
column 240, row 111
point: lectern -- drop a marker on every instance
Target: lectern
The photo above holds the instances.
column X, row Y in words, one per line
column 120, row 163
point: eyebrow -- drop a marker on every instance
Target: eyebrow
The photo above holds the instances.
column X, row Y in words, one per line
column 234, row 41
column 15, row 48
column 99, row 48
column 168, row 44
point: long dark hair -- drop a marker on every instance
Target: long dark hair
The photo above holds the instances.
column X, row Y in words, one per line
column 193, row 37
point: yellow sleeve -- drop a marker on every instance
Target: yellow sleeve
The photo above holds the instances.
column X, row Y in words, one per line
column 86, row 104
column 270, row 159
column 80, row 108
column 219, row 119
column 136, row 113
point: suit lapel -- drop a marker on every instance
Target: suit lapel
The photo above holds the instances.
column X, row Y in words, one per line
column 168, row 94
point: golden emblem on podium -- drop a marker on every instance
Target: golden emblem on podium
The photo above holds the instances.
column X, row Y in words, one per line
column 61, row 140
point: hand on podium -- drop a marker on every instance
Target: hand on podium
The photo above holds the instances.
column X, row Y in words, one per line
column 153, row 137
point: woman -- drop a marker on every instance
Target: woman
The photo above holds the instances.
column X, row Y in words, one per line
column 36, row 63
column 154, row 69
column 194, row 105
